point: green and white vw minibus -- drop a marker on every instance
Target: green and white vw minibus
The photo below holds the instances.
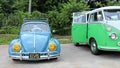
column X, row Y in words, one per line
column 100, row 28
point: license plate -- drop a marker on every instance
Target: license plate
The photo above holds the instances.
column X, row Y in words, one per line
column 34, row 55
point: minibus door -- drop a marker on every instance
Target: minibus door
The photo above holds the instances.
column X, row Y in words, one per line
column 79, row 30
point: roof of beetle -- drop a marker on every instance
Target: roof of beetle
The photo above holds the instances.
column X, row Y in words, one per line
column 35, row 20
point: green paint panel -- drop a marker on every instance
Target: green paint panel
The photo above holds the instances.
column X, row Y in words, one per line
column 98, row 32
column 101, row 35
column 110, row 42
column 79, row 33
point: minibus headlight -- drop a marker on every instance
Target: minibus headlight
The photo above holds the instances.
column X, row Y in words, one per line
column 113, row 36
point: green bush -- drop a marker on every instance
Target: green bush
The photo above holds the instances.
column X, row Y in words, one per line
column 38, row 15
column 2, row 31
column 61, row 20
column 13, row 30
column 9, row 30
column 58, row 20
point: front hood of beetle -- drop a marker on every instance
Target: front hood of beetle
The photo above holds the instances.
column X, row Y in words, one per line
column 34, row 42
column 115, row 24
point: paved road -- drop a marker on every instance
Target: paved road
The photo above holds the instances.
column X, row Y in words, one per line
column 71, row 57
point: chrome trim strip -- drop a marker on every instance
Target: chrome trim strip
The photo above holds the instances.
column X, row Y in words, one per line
column 48, row 56
column 34, row 43
column 20, row 54
column 109, row 49
column 96, row 22
column 85, row 43
column 41, row 57
column 33, row 52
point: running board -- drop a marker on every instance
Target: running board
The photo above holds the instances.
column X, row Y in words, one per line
column 83, row 43
column 109, row 49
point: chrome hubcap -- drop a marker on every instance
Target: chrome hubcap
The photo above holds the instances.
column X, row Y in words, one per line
column 93, row 47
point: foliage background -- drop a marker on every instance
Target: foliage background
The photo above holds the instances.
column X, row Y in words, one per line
column 58, row 12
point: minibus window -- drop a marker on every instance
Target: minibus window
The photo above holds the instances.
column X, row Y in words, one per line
column 83, row 19
column 112, row 14
column 93, row 17
column 100, row 16
column 77, row 17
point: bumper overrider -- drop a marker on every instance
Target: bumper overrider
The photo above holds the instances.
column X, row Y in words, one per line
column 42, row 55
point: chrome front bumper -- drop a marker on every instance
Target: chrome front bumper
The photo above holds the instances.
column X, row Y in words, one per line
column 46, row 55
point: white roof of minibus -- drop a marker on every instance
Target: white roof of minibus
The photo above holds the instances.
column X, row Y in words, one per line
column 102, row 8
column 85, row 12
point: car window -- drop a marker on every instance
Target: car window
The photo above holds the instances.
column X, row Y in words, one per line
column 35, row 27
column 79, row 18
column 97, row 16
column 113, row 14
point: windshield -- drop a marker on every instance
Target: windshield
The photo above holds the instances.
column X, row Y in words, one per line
column 35, row 27
column 112, row 14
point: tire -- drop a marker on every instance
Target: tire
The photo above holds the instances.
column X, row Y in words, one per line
column 55, row 58
column 93, row 47
column 76, row 44
column 15, row 59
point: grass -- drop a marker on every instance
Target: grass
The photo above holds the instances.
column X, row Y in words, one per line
column 63, row 39
column 7, row 38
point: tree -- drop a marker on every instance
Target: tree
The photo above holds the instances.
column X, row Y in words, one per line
column 61, row 20
column 97, row 3
column 6, row 6
column 47, row 5
column 21, row 5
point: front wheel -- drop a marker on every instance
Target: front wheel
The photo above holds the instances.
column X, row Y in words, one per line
column 94, row 48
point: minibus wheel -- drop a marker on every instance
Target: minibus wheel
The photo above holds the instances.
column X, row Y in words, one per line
column 15, row 59
column 76, row 44
column 94, row 48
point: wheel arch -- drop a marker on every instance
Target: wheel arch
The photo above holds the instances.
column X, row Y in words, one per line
column 94, row 49
column 57, row 43
column 91, row 39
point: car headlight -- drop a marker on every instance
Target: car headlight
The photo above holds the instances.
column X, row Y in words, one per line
column 16, row 47
column 113, row 36
column 52, row 46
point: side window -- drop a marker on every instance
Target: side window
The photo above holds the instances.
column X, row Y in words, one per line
column 100, row 16
column 76, row 17
column 81, row 18
column 91, row 18
column 97, row 16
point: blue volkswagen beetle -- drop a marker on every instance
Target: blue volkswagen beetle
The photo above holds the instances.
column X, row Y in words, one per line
column 35, row 42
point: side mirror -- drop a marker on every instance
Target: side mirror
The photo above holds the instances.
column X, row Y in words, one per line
column 53, row 31
column 99, row 17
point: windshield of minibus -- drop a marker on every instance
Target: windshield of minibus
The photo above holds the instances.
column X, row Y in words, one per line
column 112, row 14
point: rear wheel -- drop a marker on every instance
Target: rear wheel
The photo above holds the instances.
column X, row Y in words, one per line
column 94, row 48
column 76, row 44
column 15, row 59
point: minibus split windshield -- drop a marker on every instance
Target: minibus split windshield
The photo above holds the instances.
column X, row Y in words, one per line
column 112, row 14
